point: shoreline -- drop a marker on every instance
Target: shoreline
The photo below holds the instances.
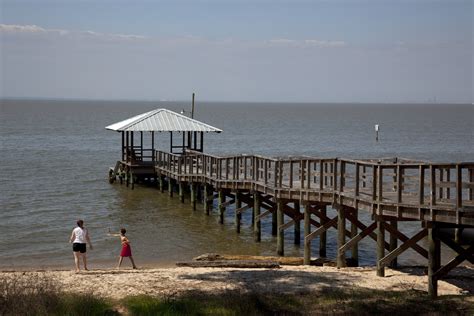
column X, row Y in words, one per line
column 176, row 281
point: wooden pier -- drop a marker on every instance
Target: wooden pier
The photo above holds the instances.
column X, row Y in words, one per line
column 439, row 196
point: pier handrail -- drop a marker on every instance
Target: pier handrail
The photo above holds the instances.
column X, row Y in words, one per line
column 394, row 182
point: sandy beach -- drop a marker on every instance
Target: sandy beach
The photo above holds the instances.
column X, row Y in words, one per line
column 177, row 281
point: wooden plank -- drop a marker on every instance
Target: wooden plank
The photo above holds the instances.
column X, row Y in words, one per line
column 409, row 243
column 355, row 239
column 227, row 203
column 403, row 238
column 230, row 264
column 321, row 229
column 469, row 252
column 240, row 210
column 280, row 233
column 286, row 225
column 341, row 237
column 262, row 215
column 307, row 231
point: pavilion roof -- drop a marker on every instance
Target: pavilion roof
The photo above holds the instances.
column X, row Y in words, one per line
column 161, row 120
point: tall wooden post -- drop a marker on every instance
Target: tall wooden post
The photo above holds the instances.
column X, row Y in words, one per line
column 434, row 260
column 355, row 248
column 380, row 246
column 221, row 207
column 280, row 232
column 206, row 199
column 323, row 236
column 393, row 243
column 274, row 222
column 181, row 191
column 257, row 224
column 170, row 187
column 307, row 231
column 297, row 224
column 341, row 236
column 162, row 184
column 193, row 195
column 238, row 216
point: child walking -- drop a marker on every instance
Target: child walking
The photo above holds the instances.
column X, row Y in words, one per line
column 126, row 248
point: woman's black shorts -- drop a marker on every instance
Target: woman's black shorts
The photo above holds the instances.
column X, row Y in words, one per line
column 77, row 247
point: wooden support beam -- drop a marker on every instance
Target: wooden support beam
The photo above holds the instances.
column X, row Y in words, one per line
column 286, row 225
column 341, row 237
column 221, row 207
column 257, row 228
column 262, row 215
column 361, row 226
column 380, row 247
column 321, row 229
column 467, row 254
column 170, row 187
column 355, row 247
column 227, row 203
column 400, row 249
column 354, row 240
column 307, row 231
column 181, row 191
column 162, row 183
column 456, row 247
column 403, row 238
column 208, row 198
column 323, row 237
column 394, row 224
column 274, row 221
column 193, row 195
column 280, row 233
column 242, row 209
column 434, row 261
column 238, row 216
column 297, row 226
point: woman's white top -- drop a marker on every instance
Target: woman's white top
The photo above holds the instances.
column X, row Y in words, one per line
column 80, row 235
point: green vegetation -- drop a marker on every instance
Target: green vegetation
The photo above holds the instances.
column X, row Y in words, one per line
column 327, row 302
column 39, row 294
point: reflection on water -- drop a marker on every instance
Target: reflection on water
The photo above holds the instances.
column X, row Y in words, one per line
column 55, row 157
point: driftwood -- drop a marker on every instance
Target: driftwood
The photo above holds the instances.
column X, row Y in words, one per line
column 292, row 261
column 229, row 264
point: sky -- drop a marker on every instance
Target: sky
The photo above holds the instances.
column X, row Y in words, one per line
column 228, row 50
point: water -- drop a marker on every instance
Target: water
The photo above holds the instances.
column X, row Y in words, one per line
column 56, row 155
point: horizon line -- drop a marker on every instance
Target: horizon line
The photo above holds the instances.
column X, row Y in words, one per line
column 234, row 101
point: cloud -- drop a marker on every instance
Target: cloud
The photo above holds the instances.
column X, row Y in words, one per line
column 37, row 30
column 304, row 43
column 12, row 28
column 319, row 43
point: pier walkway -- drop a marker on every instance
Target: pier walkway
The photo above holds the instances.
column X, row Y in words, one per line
column 392, row 190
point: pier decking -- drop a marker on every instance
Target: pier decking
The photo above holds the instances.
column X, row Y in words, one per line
column 440, row 196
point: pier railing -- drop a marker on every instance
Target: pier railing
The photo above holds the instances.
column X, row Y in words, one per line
column 389, row 186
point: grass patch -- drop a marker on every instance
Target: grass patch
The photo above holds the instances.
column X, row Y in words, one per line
column 37, row 294
column 327, row 302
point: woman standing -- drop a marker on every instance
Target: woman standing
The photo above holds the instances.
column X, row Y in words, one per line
column 79, row 238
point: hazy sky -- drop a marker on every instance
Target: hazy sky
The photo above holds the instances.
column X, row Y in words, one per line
column 302, row 51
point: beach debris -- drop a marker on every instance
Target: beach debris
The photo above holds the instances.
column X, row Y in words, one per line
column 230, row 264
column 292, row 261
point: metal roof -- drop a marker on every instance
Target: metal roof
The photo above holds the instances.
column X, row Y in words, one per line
column 161, row 120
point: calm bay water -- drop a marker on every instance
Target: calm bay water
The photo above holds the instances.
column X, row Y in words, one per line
column 56, row 155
